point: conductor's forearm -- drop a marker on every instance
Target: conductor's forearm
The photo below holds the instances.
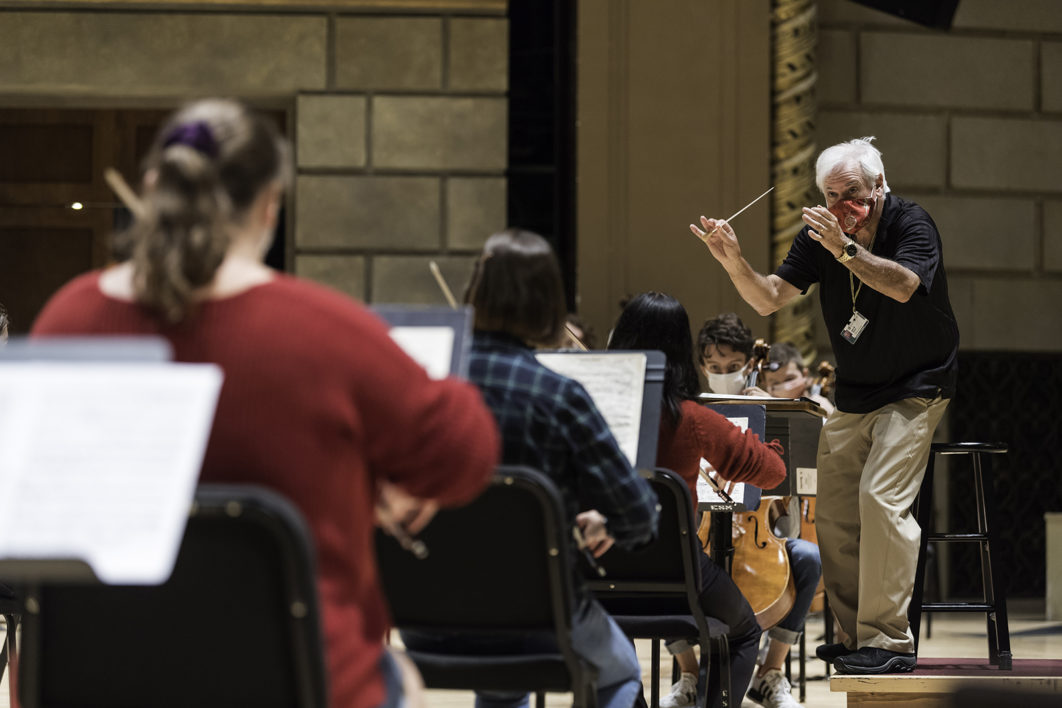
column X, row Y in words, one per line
column 756, row 289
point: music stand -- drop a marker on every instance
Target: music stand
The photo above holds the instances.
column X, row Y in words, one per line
column 438, row 338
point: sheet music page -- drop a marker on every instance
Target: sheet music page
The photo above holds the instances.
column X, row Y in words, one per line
column 616, row 383
column 706, row 493
column 100, row 462
column 431, row 347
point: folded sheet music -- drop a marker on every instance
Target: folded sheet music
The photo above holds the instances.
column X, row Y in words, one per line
column 99, row 462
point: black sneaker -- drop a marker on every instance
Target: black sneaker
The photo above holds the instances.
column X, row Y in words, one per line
column 829, row 652
column 871, row 660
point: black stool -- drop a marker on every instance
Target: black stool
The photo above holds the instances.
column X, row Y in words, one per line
column 995, row 602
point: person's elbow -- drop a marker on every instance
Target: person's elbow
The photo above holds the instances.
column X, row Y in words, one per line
column 638, row 535
column 764, row 309
column 906, row 290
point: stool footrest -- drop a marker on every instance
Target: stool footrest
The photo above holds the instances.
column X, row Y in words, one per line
column 957, row 607
column 979, row 537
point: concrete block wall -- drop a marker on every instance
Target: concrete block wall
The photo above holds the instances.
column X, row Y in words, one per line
column 969, row 122
column 399, row 119
column 401, row 157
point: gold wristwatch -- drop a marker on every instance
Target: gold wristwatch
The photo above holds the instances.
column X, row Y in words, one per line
column 848, row 252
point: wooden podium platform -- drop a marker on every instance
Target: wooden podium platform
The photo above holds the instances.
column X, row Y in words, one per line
column 935, row 683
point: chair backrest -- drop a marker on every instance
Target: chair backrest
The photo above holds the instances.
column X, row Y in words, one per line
column 499, row 564
column 236, row 624
column 664, row 575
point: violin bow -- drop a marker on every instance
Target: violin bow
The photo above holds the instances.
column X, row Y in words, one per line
column 125, row 193
column 449, row 295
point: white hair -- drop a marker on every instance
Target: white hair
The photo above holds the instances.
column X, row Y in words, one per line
column 859, row 151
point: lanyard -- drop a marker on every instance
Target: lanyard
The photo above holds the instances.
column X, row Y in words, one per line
column 852, row 279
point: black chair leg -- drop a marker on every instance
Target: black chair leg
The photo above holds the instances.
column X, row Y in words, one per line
column 722, row 651
column 803, row 665
column 654, row 675
column 540, row 699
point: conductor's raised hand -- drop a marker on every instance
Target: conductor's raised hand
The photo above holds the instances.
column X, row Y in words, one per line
column 824, row 228
column 720, row 239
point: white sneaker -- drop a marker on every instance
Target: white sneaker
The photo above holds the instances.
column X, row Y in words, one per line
column 683, row 694
column 772, row 690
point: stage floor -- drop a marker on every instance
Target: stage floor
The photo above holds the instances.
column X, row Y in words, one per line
column 954, row 636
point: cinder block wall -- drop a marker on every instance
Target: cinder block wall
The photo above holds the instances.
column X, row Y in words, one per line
column 399, row 120
column 970, row 124
column 401, row 159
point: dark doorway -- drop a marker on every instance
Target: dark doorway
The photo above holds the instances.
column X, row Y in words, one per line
column 541, row 173
column 57, row 215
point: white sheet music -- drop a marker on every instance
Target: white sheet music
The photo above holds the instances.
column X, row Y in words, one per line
column 706, row 493
column 616, row 383
column 99, row 462
column 431, row 347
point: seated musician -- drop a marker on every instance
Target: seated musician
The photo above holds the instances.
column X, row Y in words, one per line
column 318, row 403
column 726, row 346
column 549, row 422
column 688, row 432
column 787, row 377
column 3, row 324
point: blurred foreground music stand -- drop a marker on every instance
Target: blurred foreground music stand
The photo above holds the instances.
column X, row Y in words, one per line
column 71, row 408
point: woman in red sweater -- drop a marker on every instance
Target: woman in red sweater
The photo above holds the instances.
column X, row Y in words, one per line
column 318, row 403
column 688, row 432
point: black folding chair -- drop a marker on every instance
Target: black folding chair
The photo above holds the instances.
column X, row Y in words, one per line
column 236, row 624
column 497, row 568
column 653, row 593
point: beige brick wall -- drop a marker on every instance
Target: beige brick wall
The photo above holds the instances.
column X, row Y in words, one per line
column 399, row 120
column 970, row 125
column 401, row 159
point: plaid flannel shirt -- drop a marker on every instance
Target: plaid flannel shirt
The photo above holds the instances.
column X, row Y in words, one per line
column 549, row 422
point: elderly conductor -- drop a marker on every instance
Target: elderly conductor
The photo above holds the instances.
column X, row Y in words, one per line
column 878, row 262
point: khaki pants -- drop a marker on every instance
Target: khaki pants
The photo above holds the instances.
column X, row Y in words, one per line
column 870, row 467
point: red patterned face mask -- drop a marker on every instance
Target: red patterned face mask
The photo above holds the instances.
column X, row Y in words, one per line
column 853, row 214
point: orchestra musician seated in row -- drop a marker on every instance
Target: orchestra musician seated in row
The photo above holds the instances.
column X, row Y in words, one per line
column 726, row 344
column 689, row 432
column 330, row 412
column 786, row 376
column 724, row 351
column 549, row 422
column 4, row 321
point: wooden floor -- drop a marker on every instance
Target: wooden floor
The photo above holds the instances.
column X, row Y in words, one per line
column 953, row 636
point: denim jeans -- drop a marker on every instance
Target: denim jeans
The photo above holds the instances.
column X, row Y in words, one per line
column 595, row 636
column 807, row 568
column 721, row 598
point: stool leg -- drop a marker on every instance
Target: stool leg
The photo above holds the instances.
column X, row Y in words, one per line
column 923, row 515
column 991, row 571
column 827, row 621
column 803, row 667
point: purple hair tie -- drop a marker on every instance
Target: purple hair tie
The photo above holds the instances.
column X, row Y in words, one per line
column 196, row 135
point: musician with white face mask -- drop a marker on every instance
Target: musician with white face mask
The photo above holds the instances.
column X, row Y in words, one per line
column 724, row 351
column 878, row 261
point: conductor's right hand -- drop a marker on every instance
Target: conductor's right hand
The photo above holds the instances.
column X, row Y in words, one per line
column 720, row 239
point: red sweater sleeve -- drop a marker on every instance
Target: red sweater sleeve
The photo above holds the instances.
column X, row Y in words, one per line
column 436, row 439
column 737, row 456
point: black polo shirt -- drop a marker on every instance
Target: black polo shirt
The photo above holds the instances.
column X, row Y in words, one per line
column 907, row 349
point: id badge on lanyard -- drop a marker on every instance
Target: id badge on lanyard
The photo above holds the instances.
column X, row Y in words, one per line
column 855, row 327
